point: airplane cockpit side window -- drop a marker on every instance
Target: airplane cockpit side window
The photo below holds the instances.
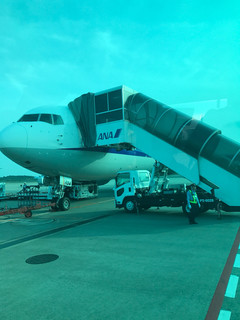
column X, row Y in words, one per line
column 29, row 117
column 57, row 120
column 46, row 117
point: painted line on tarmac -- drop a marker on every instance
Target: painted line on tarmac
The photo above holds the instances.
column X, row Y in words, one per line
column 7, row 220
column 231, row 290
column 218, row 297
column 232, row 287
column 224, row 315
column 49, row 232
column 237, row 261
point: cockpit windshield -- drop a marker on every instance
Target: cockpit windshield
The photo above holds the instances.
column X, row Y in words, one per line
column 29, row 118
column 54, row 119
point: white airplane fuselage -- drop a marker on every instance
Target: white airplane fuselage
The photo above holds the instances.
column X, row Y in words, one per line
column 56, row 148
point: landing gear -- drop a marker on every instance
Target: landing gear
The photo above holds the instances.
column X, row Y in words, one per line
column 64, row 204
column 61, row 190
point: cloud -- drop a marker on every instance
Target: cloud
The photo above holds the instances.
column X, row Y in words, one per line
column 13, row 81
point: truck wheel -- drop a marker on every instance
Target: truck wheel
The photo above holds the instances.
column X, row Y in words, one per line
column 203, row 208
column 64, row 204
column 28, row 214
column 130, row 206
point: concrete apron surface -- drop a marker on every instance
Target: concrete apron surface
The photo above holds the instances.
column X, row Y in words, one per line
column 151, row 265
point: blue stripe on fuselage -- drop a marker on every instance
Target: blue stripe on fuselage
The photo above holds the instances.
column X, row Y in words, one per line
column 136, row 152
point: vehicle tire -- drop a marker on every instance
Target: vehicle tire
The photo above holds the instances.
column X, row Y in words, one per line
column 203, row 208
column 130, row 206
column 28, row 214
column 64, row 204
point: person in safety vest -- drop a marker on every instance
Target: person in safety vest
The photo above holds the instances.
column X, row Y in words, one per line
column 193, row 204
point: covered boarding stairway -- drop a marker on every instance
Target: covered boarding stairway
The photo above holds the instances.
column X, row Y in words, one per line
column 189, row 147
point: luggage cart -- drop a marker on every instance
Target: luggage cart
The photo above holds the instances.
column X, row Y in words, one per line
column 27, row 200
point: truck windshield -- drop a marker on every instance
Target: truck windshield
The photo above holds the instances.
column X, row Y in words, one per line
column 122, row 178
column 143, row 177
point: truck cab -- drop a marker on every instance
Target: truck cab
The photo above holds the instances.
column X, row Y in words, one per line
column 128, row 185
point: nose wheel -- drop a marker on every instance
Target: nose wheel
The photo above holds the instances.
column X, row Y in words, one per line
column 64, row 204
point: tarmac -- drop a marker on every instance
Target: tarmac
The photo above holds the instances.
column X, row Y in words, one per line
column 96, row 262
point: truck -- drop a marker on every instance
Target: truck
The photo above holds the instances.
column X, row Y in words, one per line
column 137, row 190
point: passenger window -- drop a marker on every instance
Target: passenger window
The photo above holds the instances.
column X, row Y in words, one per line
column 45, row 117
column 29, row 118
column 57, row 120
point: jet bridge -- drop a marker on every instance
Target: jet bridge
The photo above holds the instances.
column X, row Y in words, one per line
column 189, row 147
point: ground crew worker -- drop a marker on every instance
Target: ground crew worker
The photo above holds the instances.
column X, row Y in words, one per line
column 193, row 204
column 24, row 189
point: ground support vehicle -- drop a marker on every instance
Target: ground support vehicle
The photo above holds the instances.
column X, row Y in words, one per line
column 26, row 201
column 62, row 190
column 138, row 189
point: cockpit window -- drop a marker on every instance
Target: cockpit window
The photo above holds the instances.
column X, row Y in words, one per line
column 46, row 117
column 29, row 118
column 57, row 119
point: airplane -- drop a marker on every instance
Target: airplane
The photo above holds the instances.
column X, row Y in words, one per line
column 47, row 140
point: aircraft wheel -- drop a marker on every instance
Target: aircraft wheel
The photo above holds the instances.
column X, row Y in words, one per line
column 64, row 204
column 130, row 206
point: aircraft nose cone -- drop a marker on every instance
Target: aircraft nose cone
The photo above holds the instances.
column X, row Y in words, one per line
column 13, row 136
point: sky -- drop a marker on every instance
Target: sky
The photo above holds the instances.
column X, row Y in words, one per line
column 174, row 51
